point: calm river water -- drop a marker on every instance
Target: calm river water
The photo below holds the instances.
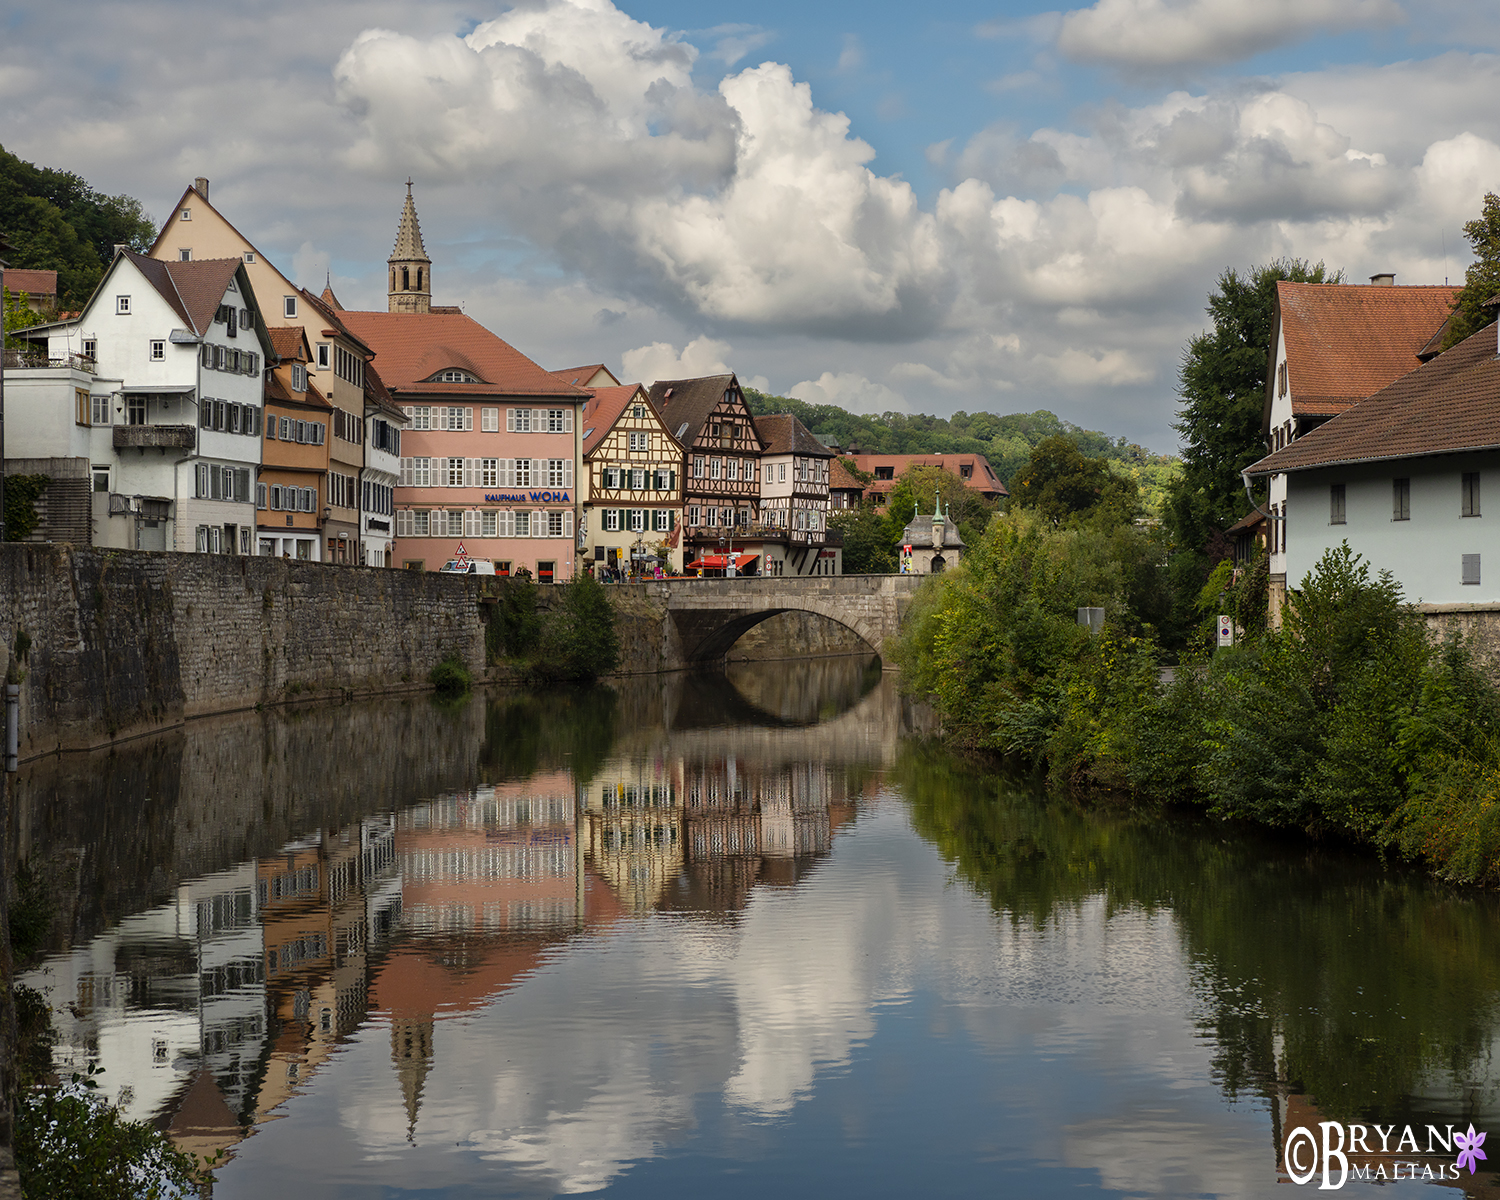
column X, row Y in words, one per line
column 730, row 935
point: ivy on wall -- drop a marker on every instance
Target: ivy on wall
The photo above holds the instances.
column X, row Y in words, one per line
column 21, row 495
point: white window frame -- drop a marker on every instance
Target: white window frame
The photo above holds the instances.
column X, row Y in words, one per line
column 289, row 306
column 122, row 306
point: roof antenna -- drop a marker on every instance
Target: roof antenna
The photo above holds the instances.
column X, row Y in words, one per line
column 1443, row 234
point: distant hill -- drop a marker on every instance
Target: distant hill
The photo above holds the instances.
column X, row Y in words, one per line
column 55, row 221
column 1005, row 440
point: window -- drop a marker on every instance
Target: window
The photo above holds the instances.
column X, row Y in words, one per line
column 518, row 420
column 260, row 495
column 637, row 520
column 421, row 524
column 1336, row 504
column 611, row 520
column 421, row 416
column 80, row 406
column 523, row 524
column 454, row 377
column 611, row 477
column 661, row 520
column 135, row 410
column 557, row 418
column 457, row 419
column 324, row 361
column 715, row 465
column 184, row 254
column 489, row 420
column 732, row 468
column 421, row 475
column 1401, row 499
column 101, row 479
column 637, row 479
column 885, row 472
column 695, row 515
column 158, row 350
column 299, row 377
column 1470, row 494
column 559, row 472
column 453, row 475
column 1470, row 568
column 122, row 305
column 187, row 214
column 748, row 474
column 782, row 478
column 289, row 306
column 698, row 466
column 489, row 525
column 726, row 517
column 638, row 441
column 555, row 524
column 249, row 256
column 489, row 472
column 90, row 347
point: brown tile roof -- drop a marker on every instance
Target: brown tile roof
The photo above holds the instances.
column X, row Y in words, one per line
column 1446, row 406
column 289, row 342
column 580, row 376
column 377, row 395
column 333, row 317
column 32, row 282
column 1345, row 342
column 839, row 479
column 982, row 477
column 784, row 434
column 412, row 347
column 193, row 289
column 603, row 410
column 686, row 403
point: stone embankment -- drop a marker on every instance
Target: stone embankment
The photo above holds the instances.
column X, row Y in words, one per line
column 112, row 644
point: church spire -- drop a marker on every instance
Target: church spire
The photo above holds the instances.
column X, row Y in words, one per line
column 410, row 269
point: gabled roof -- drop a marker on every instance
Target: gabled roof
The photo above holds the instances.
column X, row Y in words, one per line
column 584, row 376
column 605, row 408
column 686, row 403
column 412, row 347
column 290, row 342
column 193, row 289
column 839, row 479
column 782, row 433
column 332, row 316
column 1446, row 406
column 1345, row 342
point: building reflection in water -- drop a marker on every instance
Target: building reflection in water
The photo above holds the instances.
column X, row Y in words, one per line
column 209, row 1012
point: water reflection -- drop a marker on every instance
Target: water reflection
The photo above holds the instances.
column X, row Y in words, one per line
column 716, row 932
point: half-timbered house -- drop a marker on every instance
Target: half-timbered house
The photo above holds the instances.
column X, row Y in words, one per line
column 631, row 483
column 721, row 466
column 794, row 499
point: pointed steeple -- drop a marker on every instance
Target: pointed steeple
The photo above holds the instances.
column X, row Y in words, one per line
column 410, row 269
column 411, row 1051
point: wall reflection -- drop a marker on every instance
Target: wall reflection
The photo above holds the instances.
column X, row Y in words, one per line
column 233, row 901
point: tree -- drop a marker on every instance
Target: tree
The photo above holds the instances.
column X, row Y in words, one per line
column 869, row 544
column 1482, row 279
column 1060, row 483
column 919, row 487
column 1222, row 383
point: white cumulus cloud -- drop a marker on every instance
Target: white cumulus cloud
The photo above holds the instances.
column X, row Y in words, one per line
column 1175, row 33
column 850, row 391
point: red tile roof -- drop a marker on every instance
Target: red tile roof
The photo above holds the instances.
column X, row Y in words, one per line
column 412, row 347
column 32, row 282
column 784, row 434
column 1446, row 406
column 289, row 342
column 839, row 479
column 982, row 477
column 1344, row 342
column 603, row 410
column 581, row 375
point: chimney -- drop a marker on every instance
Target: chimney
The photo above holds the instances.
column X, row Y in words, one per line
column 1384, row 279
column 200, row 185
column 120, row 248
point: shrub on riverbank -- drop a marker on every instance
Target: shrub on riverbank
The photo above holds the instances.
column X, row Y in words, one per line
column 578, row 639
column 1350, row 720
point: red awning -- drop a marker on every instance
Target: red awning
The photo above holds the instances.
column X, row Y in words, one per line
column 717, row 562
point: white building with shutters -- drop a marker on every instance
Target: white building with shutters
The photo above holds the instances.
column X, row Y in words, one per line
column 632, row 490
column 172, row 420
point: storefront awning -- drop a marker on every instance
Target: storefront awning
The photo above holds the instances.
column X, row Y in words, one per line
column 717, row 562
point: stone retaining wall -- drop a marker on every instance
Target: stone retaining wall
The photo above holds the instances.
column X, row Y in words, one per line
column 1478, row 624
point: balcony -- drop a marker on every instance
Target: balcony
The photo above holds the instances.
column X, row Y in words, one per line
column 23, row 360
column 158, row 437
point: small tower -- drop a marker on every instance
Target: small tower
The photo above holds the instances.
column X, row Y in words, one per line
column 410, row 268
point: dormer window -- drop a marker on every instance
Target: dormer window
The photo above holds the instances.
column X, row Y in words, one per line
column 455, row 376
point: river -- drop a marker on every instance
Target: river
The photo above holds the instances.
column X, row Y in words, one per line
column 729, row 934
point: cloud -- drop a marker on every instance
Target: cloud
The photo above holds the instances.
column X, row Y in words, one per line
column 1161, row 34
column 660, row 360
column 850, row 391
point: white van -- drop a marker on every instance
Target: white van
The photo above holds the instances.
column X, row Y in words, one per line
column 474, row 566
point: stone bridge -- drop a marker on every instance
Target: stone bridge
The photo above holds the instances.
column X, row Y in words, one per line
column 711, row 614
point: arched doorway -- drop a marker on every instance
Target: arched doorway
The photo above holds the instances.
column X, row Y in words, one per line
column 938, row 564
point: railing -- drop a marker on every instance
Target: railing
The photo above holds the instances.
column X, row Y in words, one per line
column 756, row 533
column 22, row 360
column 165, row 437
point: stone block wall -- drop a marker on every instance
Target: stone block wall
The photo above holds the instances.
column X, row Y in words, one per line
column 121, row 642
column 1477, row 624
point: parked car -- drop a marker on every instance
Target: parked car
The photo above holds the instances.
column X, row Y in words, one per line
column 474, row 566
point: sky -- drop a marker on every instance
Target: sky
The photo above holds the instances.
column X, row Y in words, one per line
column 972, row 206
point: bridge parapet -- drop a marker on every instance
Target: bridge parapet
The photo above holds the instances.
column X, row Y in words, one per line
column 712, row 614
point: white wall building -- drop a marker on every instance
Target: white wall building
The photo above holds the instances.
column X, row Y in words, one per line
column 173, row 417
column 1404, row 478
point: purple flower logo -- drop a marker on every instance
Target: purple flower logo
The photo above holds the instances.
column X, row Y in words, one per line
column 1469, row 1152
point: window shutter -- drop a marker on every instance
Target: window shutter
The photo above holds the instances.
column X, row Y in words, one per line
column 468, row 420
column 567, row 472
column 405, row 477
column 568, row 523
column 538, row 469
column 202, row 488
column 672, row 481
column 406, row 408
column 468, row 473
column 538, row 420
column 567, row 420
column 510, row 420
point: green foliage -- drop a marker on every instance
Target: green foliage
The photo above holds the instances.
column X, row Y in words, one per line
column 56, row 221
column 919, row 488
column 578, row 636
column 514, row 626
column 1006, row 441
column 71, row 1142
column 452, row 677
column 21, row 494
column 550, row 729
column 869, row 543
column 19, row 315
column 1222, row 384
column 1482, row 279
column 1060, row 484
